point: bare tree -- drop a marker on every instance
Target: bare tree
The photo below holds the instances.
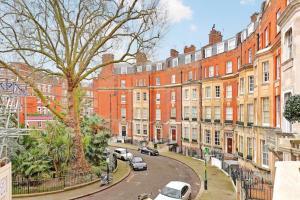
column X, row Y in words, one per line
column 67, row 38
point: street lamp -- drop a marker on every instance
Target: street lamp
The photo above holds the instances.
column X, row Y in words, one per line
column 206, row 157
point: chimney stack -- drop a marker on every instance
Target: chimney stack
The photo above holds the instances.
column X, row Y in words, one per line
column 254, row 17
column 189, row 49
column 174, row 53
column 108, row 57
column 215, row 36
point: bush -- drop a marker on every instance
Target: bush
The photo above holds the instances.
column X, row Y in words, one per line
column 292, row 109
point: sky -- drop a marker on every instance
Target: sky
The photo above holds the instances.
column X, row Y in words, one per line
column 190, row 21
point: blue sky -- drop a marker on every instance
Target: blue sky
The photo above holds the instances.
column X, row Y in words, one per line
column 191, row 20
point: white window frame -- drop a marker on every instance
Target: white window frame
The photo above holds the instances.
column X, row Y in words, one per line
column 145, row 113
column 123, row 113
column 242, row 86
column 229, row 113
column 148, row 68
column 266, row 72
column 186, row 112
column 229, row 67
column 207, row 136
column 251, row 84
column 250, row 113
column 173, row 112
column 265, row 108
column 194, row 112
column 250, row 55
column 194, row 94
column 123, row 99
column 229, row 91
column 158, row 114
column 190, row 75
column 208, row 92
column 173, row 79
column 159, row 66
column 188, row 59
column 217, row 115
column 208, row 52
column 264, row 154
column 217, row 138
column 174, row 62
column 157, row 98
column 139, row 69
column 231, row 44
column 211, row 71
column 186, row 94
column 220, row 47
column 173, row 96
column 218, row 91
column 157, row 81
column 207, row 112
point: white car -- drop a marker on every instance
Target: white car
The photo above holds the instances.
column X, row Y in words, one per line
column 175, row 190
column 123, row 154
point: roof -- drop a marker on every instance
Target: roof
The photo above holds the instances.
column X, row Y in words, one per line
column 178, row 185
column 287, row 180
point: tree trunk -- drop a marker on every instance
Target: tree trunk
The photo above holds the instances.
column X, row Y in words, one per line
column 73, row 121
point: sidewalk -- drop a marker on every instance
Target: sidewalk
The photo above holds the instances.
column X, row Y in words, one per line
column 122, row 172
column 219, row 185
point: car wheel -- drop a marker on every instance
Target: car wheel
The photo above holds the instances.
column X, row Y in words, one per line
column 122, row 158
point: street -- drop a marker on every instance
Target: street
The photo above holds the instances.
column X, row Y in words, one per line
column 160, row 171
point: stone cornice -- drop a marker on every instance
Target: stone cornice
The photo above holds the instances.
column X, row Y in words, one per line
column 288, row 12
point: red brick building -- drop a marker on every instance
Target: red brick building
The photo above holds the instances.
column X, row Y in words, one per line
column 224, row 96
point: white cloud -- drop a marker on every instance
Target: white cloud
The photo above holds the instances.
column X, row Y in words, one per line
column 176, row 10
column 193, row 28
column 246, row 2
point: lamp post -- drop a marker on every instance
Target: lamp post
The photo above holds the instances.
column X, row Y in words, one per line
column 206, row 153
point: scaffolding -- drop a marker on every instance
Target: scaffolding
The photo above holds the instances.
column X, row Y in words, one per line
column 11, row 95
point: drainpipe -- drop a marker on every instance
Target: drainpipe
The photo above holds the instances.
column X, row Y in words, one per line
column 181, row 110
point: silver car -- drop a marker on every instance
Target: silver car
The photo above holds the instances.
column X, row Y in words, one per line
column 137, row 163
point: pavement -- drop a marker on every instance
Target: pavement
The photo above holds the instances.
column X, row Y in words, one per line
column 121, row 173
column 160, row 171
column 219, row 185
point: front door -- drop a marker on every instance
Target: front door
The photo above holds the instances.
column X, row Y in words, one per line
column 158, row 134
column 173, row 130
column 229, row 145
column 123, row 131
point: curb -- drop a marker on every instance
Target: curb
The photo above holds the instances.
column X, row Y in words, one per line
column 201, row 190
column 105, row 188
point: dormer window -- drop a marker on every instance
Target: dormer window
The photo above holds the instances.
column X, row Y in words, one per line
column 175, row 62
column 158, row 66
column 188, row 59
column 220, row 47
column 139, row 68
column 208, row 52
column 231, row 44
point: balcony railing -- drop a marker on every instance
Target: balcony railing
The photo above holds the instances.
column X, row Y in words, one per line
column 240, row 123
column 228, row 121
column 250, row 124
column 217, row 121
column 207, row 120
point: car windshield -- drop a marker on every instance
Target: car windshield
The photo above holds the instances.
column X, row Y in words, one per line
column 171, row 192
column 137, row 160
column 122, row 151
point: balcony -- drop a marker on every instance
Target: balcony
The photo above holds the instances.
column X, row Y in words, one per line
column 228, row 122
column 194, row 141
column 217, row 121
column 194, row 119
column 207, row 120
column 250, row 124
column 240, row 123
column 186, row 118
column 185, row 139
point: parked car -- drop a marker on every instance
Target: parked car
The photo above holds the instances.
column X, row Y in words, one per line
column 175, row 190
column 137, row 163
column 123, row 154
column 149, row 151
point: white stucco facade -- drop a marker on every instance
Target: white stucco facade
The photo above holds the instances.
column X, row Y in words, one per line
column 290, row 59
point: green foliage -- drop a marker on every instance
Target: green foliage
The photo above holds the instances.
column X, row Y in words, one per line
column 95, row 142
column 43, row 152
column 292, row 109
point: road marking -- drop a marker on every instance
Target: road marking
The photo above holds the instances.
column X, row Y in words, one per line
column 130, row 177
